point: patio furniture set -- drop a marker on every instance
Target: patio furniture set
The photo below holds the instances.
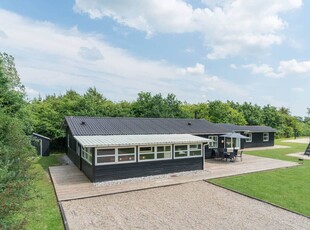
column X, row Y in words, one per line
column 222, row 154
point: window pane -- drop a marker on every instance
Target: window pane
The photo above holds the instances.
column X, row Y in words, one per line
column 103, row 152
column 126, row 151
column 126, row 158
column 160, row 148
column 164, row 155
column 180, row 147
column 105, row 159
column 167, row 148
column 147, row 156
column 195, row 153
column 181, row 154
column 195, row 146
column 146, row 149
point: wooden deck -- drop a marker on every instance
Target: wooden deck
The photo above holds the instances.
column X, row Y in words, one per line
column 70, row 183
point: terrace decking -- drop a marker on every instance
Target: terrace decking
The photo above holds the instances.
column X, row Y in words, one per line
column 70, row 183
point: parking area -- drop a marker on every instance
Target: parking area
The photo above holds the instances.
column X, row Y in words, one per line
column 195, row 205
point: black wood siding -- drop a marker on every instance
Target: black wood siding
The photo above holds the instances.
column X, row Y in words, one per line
column 71, row 152
column 45, row 145
column 87, row 169
column 139, row 169
column 257, row 141
column 73, row 157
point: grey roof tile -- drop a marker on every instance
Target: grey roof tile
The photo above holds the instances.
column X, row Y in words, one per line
column 132, row 126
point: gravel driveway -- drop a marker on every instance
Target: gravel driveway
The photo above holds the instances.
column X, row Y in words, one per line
column 196, row 205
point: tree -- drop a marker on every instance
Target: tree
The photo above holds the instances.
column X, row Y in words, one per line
column 220, row 112
column 12, row 92
column 156, row 106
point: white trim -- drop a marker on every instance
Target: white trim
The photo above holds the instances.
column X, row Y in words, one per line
column 84, row 151
column 238, row 143
column 249, row 139
column 155, row 153
column 116, row 155
column 217, row 141
column 188, row 151
column 264, row 137
column 41, row 148
column 110, row 141
column 44, row 137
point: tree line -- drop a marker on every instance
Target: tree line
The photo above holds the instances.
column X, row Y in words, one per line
column 48, row 113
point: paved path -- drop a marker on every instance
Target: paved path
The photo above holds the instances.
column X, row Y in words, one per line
column 304, row 140
column 70, row 183
column 300, row 155
column 195, row 205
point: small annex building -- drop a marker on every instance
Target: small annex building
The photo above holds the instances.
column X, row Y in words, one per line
column 41, row 144
column 119, row 148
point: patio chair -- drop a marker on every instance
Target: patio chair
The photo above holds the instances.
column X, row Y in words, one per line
column 239, row 154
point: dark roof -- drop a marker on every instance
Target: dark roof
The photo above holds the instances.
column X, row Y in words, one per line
column 88, row 126
column 248, row 128
column 40, row 136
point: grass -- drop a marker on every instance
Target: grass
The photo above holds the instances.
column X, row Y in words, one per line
column 41, row 211
column 288, row 188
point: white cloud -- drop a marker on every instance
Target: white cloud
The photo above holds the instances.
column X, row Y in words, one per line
column 294, row 67
column 198, row 69
column 229, row 27
column 290, row 67
column 298, row 90
column 233, row 66
column 49, row 62
column 31, row 93
column 263, row 69
column 92, row 54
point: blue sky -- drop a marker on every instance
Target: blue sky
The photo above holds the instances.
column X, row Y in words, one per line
column 240, row 50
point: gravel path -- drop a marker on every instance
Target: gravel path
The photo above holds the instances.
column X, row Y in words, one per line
column 197, row 205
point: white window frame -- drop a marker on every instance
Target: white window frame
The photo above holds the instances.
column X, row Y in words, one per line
column 188, row 151
column 249, row 139
column 238, row 143
column 86, row 151
column 116, row 156
column 155, row 153
column 216, row 142
column 264, row 137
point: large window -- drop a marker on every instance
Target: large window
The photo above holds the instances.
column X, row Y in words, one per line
column 265, row 136
column 232, row 143
column 126, row 154
column 149, row 153
column 87, row 155
column 115, row 155
column 182, row 151
column 214, row 143
column 249, row 135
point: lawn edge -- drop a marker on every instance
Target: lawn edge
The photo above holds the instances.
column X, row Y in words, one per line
column 258, row 199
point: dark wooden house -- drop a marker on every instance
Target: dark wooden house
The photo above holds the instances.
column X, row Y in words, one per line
column 118, row 148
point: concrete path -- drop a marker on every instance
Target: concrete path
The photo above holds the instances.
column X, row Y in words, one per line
column 70, row 183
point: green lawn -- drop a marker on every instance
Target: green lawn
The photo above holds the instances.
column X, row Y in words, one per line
column 288, row 188
column 41, row 211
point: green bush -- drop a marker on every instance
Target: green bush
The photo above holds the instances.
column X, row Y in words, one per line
column 15, row 160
